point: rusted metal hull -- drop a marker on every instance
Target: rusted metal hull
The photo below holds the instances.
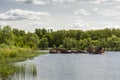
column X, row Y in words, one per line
column 64, row 51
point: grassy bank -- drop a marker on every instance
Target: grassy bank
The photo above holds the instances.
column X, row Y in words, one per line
column 8, row 56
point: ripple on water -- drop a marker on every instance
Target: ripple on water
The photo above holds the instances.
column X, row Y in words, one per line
column 75, row 67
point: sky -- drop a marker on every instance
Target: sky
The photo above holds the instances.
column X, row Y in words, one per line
column 60, row 14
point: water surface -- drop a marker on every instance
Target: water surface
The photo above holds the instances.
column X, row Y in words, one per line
column 73, row 67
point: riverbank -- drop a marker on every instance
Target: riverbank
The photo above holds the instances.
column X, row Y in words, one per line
column 8, row 56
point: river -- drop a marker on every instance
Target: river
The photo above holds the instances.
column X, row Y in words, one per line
column 72, row 67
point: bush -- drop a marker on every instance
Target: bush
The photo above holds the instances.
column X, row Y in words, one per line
column 13, row 54
column 4, row 46
column 8, row 52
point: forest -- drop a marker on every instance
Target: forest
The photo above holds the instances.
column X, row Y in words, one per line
column 107, row 38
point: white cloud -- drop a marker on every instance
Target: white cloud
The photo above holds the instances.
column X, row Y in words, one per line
column 95, row 9
column 117, row 6
column 37, row 24
column 40, row 2
column 117, row 0
column 94, row 25
column 109, row 24
column 43, row 2
column 99, row 1
column 2, row 23
column 102, row 1
column 23, row 14
column 27, row 25
column 96, row 1
column 112, row 26
column 80, row 24
column 81, row 12
column 108, row 12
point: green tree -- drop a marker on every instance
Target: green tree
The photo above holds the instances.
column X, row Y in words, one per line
column 40, row 32
column 43, row 43
column 57, row 37
column 7, row 36
column 69, row 43
column 31, row 40
column 113, row 42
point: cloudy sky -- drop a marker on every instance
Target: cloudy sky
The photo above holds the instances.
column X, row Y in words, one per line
column 60, row 14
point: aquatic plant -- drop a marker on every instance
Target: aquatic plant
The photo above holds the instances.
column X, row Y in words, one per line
column 9, row 56
column 6, row 70
column 25, row 69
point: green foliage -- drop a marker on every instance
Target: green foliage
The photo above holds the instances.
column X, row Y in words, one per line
column 113, row 42
column 61, row 46
column 69, row 43
column 43, row 43
column 71, row 39
column 40, row 32
column 17, row 45
column 7, row 52
column 17, row 32
column 4, row 45
column 107, row 38
column 54, row 46
column 10, row 55
column 7, row 36
column 31, row 40
column 7, row 69
column 57, row 37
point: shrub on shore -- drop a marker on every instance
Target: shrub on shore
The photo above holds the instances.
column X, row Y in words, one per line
column 8, row 56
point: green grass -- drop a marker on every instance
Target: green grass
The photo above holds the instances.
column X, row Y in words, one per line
column 8, row 56
column 7, row 69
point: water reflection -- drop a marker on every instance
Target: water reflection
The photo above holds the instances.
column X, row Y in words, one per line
column 28, row 71
column 72, row 67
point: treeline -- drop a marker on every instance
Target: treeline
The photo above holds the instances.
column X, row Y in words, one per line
column 71, row 39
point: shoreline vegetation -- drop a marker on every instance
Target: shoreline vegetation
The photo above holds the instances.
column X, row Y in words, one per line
column 9, row 56
column 109, row 39
column 17, row 45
